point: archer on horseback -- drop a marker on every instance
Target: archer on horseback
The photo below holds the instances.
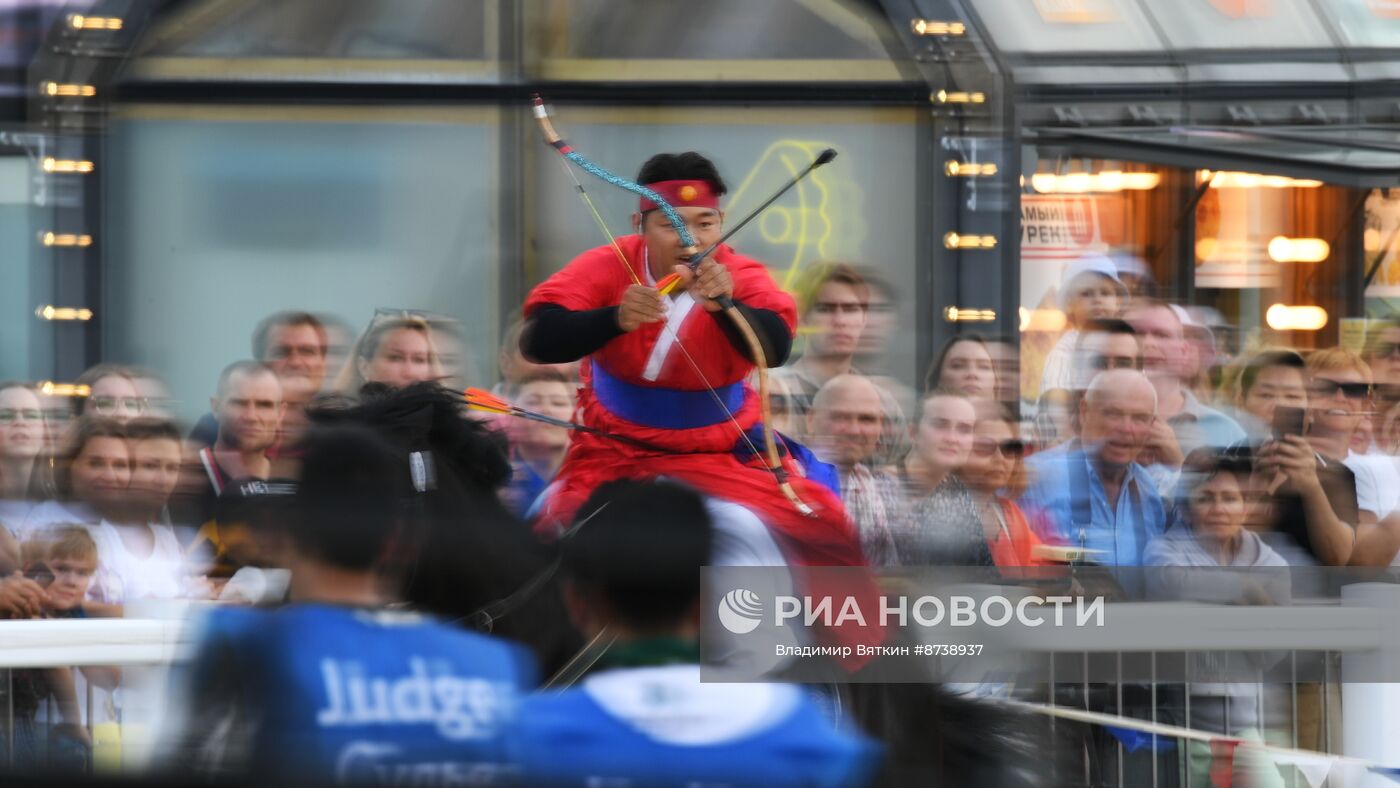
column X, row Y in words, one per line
column 669, row 335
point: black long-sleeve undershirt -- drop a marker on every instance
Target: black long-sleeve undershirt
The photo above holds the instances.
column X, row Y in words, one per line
column 555, row 335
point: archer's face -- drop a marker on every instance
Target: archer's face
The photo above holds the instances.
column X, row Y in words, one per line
column 664, row 247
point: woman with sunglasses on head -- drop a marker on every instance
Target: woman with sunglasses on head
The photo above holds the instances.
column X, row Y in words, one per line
column 394, row 351
column 113, row 394
column 996, row 476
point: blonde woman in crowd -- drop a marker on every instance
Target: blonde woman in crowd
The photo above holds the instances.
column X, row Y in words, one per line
column 395, row 351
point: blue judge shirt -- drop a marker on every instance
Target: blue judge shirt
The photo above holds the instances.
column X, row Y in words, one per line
column 660, row 726
column 341, row 694
column 1063, row 482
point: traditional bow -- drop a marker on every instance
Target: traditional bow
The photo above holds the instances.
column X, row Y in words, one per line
column 774, row 462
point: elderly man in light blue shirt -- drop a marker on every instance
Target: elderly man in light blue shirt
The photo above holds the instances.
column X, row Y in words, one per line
column 1095, row 495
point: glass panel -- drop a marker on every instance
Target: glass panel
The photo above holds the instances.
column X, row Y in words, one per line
column 1226, row 142
column 741, row 40
column 220, row 217
column 858, row 209
column 1068, row 26
column 1261, row 243
column 1083, row 207
column 1073, row 209
column 1366, row 23
column 1240, row 24
column 24, row 24
column 18, row 251
column 417, row 29
column 1381, row 136
column 1381, row 241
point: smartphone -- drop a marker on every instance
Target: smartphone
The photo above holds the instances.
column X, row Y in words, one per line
column 1287, row 421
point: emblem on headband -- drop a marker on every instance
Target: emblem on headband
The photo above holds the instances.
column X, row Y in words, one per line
column 688, row 193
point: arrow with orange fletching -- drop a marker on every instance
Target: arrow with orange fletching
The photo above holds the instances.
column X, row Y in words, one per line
column 486, row 402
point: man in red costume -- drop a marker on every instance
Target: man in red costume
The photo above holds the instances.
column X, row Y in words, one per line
column 669, row 371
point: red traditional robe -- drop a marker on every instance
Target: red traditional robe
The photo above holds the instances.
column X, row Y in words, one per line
column 700, row 456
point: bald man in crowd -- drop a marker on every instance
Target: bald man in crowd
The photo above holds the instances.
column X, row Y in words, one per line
column 844, row 424
column 1097, row 495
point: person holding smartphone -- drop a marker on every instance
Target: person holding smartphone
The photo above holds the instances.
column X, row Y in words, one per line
column 1314, row 493
column 1270, row 380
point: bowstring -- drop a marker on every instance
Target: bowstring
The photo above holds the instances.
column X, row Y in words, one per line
column 666, row 325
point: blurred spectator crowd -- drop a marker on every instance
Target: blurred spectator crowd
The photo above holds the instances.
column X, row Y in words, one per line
column 1145, row 445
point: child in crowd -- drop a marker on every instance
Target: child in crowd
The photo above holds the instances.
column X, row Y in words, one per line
column 63, row 561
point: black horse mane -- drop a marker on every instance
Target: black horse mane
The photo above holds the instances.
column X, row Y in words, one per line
column 463, row 552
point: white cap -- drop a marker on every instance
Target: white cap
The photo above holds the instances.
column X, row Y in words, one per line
column 1089, row 264
column 1187, row 321
column 1132, row 265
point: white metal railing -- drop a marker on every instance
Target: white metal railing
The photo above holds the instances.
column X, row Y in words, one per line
column 1363, row 630
column 97, row 641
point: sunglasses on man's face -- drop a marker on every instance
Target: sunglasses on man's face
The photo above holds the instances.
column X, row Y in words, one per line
column 1011, row 449
column 1324, row 388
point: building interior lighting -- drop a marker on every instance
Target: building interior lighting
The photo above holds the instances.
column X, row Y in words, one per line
column 1088, row 182
column 955, row 168
column 959, row 241
column 52, row 312
column 80, row 22
column 959, row 315
column 51, row 164
column 1251, row 180
column 52, row 389
column 933, row 27
column 66, row 239
column 960, row 97
column 67, row 89
column 1282, row 317
column 1049, row 320
column 1298, row 250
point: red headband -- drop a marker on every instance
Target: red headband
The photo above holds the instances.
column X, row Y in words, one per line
column 681, row 194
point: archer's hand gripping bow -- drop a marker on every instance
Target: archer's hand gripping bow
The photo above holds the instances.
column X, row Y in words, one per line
column 773, row 458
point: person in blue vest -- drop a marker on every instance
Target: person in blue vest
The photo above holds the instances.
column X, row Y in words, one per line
column 642, row 716
column 336, row 687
